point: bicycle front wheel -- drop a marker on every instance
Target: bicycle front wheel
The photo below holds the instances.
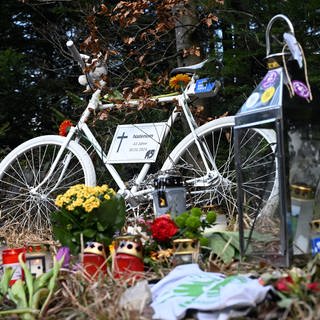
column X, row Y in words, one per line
column 25, row 203
column 216, row 186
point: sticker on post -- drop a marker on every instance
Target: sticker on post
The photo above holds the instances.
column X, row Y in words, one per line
column 315, row 245
column 136, row 143
column 301, row 89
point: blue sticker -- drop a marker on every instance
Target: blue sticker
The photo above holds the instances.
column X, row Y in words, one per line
column 315, row 245
column 204, row 85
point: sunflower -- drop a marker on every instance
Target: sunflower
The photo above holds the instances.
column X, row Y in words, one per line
column 179, row 81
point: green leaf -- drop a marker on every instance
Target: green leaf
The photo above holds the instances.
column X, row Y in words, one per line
column 52, row 283
column 39, row 297
column 18, row 295
column 56, row 268
column 221, row 248
column 66, row 238
column 89, row 233
column 100, row 227
column 63, row 217
column 112, row 213
column 62, row 234
column 28, row 277
column 5, row 279
column 285, row 303
column 42, row 280
column 231, row 236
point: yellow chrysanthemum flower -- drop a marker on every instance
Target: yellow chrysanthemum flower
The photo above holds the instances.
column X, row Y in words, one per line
column 70, row 207
column 59, row 200
column 87, row 197
column 91, row 204
column 78, row 202
column 179, row 81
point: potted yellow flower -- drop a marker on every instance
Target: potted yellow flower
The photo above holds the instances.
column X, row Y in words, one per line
column 95, row 212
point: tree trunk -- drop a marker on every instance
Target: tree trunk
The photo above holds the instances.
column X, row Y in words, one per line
column 186, row 22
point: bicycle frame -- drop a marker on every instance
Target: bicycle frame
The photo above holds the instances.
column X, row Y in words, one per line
column 82, row 127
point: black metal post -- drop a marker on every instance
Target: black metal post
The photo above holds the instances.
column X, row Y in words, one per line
column 239, row 190
column 285, row 228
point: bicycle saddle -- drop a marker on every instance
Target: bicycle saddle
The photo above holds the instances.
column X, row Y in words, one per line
column 188, row 69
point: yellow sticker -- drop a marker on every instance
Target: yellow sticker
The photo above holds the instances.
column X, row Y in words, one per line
column 268, row 94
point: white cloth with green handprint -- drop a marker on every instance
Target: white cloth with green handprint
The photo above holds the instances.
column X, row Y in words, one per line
column 213, row 295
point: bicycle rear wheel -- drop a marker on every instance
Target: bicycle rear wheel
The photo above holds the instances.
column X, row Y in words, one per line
column 24, row 207
column 218, row 189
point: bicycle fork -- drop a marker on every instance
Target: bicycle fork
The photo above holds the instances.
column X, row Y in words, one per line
column 54, row 164
column 92, row 105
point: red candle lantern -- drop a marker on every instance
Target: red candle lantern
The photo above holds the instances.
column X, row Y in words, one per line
column 128, row 257
column 10, row 259
column 94, row 259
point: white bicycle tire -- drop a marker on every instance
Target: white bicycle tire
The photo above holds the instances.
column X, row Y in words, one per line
column 42, row 141
column 224, row 122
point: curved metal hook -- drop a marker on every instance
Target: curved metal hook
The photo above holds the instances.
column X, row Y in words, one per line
column 277, row 17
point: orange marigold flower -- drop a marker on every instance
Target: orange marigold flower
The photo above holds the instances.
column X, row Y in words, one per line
column 64, row 127
column 179, row 81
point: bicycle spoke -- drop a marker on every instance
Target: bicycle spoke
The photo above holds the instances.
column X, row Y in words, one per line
column 219, row 189
column 26, row 202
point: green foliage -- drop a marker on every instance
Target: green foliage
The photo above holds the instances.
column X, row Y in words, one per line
column 193, row 222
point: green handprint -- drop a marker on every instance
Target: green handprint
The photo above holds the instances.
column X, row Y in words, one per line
column 215, row 289
column 193, row 289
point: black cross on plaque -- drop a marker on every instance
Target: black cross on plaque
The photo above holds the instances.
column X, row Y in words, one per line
column 123, row 136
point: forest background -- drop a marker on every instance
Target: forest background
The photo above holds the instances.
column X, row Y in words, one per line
column 140, row 41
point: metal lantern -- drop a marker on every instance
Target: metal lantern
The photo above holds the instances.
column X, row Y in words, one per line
column 185, row 251
column 282, row 102
column 128, row 256
column 169, row 195
column 302, row 203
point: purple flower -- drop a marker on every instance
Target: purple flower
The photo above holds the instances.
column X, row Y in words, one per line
column 64, row 252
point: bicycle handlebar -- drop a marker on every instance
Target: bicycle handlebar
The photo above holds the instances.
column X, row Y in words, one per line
column 77, row 57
